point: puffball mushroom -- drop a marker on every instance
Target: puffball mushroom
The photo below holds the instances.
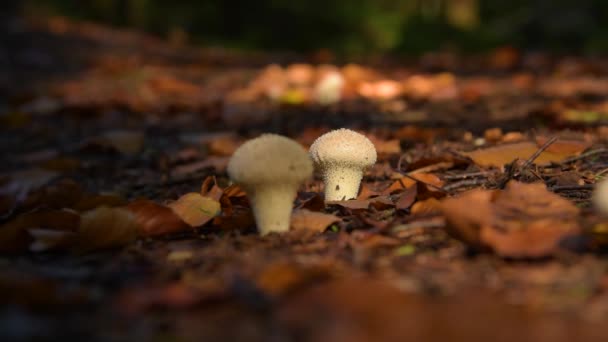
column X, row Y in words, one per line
column 270, row 168
column 342, row 156
column 600, row 197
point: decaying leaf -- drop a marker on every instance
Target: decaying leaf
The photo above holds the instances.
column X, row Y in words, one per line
column 522, row 221
column 195, row 209
column 154, row 219
column 379, row 202
column 103, row 228
column 280, row 277
column 125, row 142
column 303, row 219
column 498, row 156
column 426, row 207
column 15, row 236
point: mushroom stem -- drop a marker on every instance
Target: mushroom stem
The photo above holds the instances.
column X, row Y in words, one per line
column 342, row 183
column 272, row 205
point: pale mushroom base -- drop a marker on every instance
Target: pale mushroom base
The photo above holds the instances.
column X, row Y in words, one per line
column 600, row 197
column 272, row 206
column 342, row 183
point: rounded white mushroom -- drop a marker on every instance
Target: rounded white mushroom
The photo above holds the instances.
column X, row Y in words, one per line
column 270, row 168
column 342, row 156
column 600, row 197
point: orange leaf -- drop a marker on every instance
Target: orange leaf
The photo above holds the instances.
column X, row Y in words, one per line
column 310, row 220
column 500, row 155
column 103, row 228
column 154, row 219
column 195, row 209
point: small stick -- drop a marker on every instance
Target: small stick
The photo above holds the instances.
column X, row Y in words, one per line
column 538, row 152
column 467, row 175
column 572, row 187
column 585, row 155
column 463, row 183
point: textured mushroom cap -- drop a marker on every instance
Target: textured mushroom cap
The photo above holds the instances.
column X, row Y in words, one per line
column 270, row 158
column 343, row 147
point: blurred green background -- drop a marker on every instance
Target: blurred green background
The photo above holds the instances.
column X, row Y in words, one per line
column 356, row 26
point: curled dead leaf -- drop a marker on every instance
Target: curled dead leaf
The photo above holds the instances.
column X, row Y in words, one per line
column 522, row 221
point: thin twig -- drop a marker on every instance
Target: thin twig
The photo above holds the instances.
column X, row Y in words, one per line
column 463, row 183
column 584, row 155
column 572, row 187
column 468, row 175
column 538, row 152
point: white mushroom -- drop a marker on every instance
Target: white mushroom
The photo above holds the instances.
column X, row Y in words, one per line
column 342, row 156
column 600, row 197
column 270, row 168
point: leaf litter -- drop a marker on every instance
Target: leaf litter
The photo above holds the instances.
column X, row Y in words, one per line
column 479, row 205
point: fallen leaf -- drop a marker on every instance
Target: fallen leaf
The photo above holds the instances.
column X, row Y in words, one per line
column 154, row 219
column 407, row 198
column 125, row 142
column 522, row 221
column 104, row 228
column 303, row 219
column 380, row 202
column 392, row 146
column 14, row 236
column 224, row 146
column 281, row 277
column 213, row 162
column 426, row 207
column 62, row 194
column 24, row 181
column 210, row 189
column 48, row 239
column 195, row 209
column 92, row 201
column 498, row 156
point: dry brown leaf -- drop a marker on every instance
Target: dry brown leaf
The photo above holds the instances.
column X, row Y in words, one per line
column 382, row 146
column 63, row 194
column 380, row 202
column 303, row 219
column 281, row 277
column 407, row 198
column 426, row 207
column 14, row 235
column 125, row 142
column 498, row 156
column 195, row 209
column 154, row 219
column 224, row 146
column 210, row 189
column 214, row 162
column 90, row 202
column 104, row 228
column 522, row 221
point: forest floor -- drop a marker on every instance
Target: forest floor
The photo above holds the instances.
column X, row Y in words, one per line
column 118, row 221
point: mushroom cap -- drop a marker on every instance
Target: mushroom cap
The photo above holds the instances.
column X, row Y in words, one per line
column 343, row 147
column 270, row 158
